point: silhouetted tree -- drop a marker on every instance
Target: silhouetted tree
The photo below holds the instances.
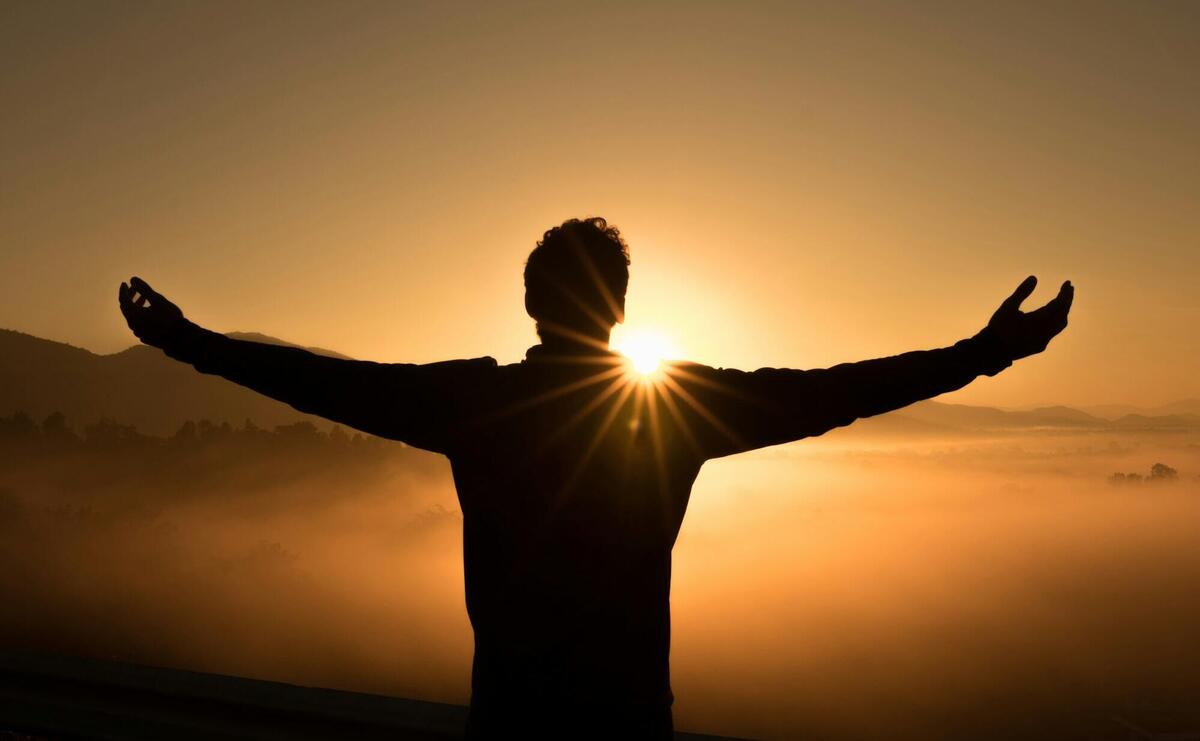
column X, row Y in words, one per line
column 185, row 434
column 56, row 429
column 108, row 432
column 1163, row 472
column 19, row 426
column 1158, row 472
column 299, row 431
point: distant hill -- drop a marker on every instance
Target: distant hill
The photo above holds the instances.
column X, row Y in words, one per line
column 143, row 387
column 926, row 417
column 269, row 340
column 138, row 386
column 972, row 417
column 1116, row 411
column 1158, row 422
column 939, row 419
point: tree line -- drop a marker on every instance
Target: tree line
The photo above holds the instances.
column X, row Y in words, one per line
column 20, row 427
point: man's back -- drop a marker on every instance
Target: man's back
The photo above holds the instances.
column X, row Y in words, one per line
column 573, row 484
column 574, row 472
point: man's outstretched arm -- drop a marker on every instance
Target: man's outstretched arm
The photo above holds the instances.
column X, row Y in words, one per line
column 735, row 410
column 413, row 403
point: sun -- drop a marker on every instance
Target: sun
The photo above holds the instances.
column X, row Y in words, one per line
column 646, row 349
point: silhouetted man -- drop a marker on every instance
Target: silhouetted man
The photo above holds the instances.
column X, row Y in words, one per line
column 574, row 474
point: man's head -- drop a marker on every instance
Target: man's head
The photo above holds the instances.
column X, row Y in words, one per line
column 575, row 280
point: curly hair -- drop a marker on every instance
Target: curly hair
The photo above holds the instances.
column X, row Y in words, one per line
column 577, row 275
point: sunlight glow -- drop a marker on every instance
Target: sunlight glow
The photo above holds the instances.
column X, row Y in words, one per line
column 646, row 349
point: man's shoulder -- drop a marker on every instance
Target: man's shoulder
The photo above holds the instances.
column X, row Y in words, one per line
column 716, row 382
column 465, row 365
column 455, row 372
column 460, row 370
column 688, row 370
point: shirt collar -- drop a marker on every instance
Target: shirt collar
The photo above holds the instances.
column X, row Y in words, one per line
column 570, row 353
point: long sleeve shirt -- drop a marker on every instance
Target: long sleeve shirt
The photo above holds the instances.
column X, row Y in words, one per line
column 573, row 476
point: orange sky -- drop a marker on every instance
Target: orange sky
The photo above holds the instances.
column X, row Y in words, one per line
column 799, row 185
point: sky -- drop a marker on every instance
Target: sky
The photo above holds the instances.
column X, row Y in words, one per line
column 800, row 184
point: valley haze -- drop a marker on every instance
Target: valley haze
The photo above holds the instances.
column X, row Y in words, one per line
column 943, row 570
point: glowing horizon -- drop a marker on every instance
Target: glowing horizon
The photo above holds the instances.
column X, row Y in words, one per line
column 798, row 188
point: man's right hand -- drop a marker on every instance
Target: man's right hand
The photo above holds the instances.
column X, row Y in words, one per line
column 155, row 320
column 1026, row 333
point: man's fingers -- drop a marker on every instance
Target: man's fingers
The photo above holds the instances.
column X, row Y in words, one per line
column 131, row 318
column 146, row 294
column 131, row 299
column 1060, row 304
column 142, row 288
column 1013, row 302
column 1052, row 318
column 1065, row 296
column 1062, row 301
column 125, row 299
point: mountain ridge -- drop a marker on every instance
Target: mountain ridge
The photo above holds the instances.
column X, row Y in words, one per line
column 139, row 386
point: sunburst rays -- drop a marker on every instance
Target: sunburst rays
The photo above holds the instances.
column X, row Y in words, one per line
column 662, row 409
column 606, row 382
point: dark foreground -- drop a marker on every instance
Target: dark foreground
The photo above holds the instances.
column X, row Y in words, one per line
column 60, row 697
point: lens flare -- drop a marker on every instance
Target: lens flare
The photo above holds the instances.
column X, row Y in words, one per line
column 645, row 349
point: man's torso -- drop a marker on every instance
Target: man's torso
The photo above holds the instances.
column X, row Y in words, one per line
column 573, row 477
